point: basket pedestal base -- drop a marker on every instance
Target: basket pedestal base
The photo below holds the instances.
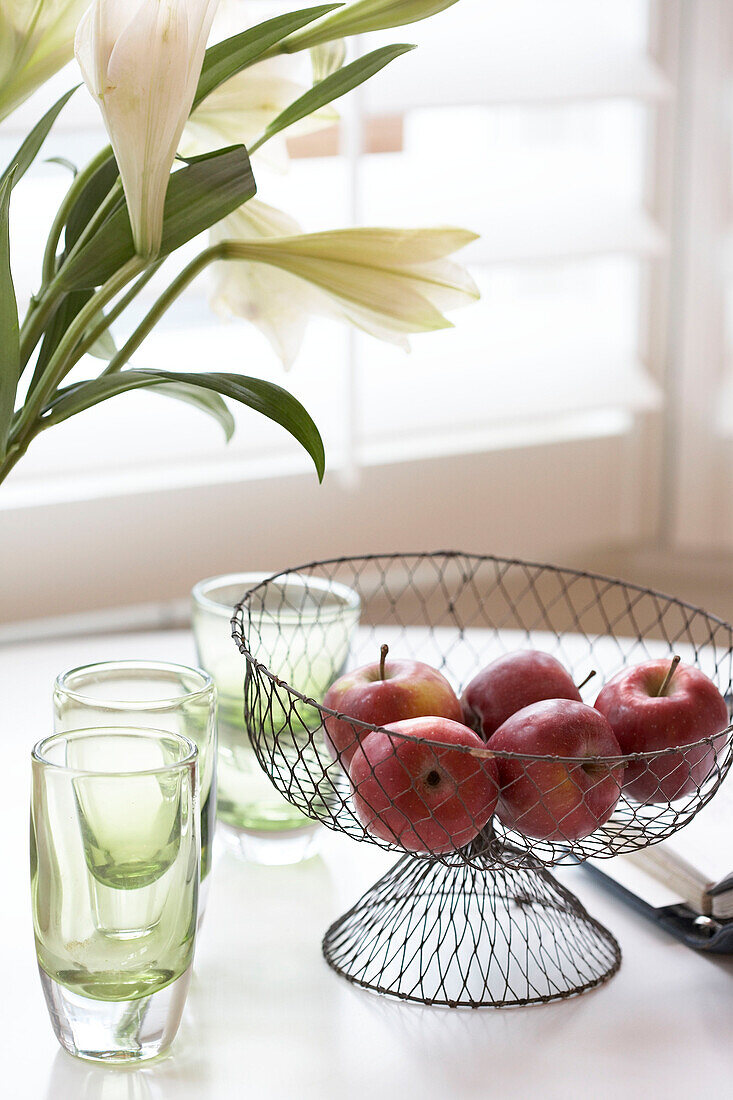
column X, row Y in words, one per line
column 464, row 935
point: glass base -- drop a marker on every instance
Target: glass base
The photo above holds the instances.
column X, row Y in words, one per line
column 275, row 847
column 116, row 1032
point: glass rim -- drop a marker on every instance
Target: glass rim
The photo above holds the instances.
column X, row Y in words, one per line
column 351, row 601
column 38, row 751
column 132, row 664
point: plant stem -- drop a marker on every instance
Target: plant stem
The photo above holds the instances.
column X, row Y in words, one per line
column 588, row 678
column 53, row 290
column 29, row 423
column 57, row 366
column 36, row 320
column 60, row 362
column 166, row 300
column 49, row 256
column 106, row 320
column 106, row 206
column 383, row 660
column 14, row 454
column 670, row 673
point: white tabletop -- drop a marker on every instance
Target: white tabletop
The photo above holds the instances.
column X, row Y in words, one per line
column 266, row 1018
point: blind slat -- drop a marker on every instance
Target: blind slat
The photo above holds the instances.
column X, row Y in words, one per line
column 418, row 82
column 630, row 233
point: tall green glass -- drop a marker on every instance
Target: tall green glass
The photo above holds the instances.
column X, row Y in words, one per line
column 149, row 694
column 304, row 634
column 114, row 884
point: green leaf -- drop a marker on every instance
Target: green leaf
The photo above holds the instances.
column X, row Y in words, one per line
column 30, row 148
column 62, row 318
column 9, row 333
column 366, row 16
column 227, row 58
column 91, row 197
column 199, row 196
column 264, row 397
column 332, row 87
column 104, row 346
column 206, row 401
column 93, row 192
column 63, row 163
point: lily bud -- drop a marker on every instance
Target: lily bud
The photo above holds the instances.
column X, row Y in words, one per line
column 141, row 60
column 36, row 40
column 365, row 16
column 387, row 282
column 327, row 58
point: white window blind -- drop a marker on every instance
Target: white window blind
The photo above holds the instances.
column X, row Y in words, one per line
column 700, row 415
column 536, row 123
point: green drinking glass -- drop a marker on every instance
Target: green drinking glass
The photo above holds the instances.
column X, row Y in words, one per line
column 149, row 694
column 305, row 627
column 114, row 885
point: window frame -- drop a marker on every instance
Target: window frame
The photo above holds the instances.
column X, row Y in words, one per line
column 156, row 538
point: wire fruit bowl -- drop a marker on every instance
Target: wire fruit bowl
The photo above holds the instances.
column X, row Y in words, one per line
column 470, row 915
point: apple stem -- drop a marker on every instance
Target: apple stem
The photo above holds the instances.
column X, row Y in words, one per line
column 383, row 660
column 588, row 678
column 670, row 673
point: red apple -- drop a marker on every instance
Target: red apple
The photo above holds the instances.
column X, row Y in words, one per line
column 552, row 799
column 656, row 706
column 424, row 797
column 511, row 683
column 381, row 693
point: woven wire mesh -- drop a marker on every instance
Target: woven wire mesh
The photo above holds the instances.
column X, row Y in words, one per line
column 460, row 936
column 457, row 612
column 470, row 916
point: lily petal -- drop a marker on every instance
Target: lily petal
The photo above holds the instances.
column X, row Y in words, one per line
column 277, row 303
column 142, row 61
column 36, row 40
column 241, row 109
column 388, row 282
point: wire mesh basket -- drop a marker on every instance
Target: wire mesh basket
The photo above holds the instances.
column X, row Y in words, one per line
column 470, row 915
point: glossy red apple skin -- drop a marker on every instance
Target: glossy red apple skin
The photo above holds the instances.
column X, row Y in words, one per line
column 551, row 800
column 423, row 797
column 410, row 689
column 511, row 683
column 692, row 708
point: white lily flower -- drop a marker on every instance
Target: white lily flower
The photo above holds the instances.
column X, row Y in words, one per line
column 36, row 40
column 241, row 109
column 387, row 282
column 277, row 303
column 141, row 59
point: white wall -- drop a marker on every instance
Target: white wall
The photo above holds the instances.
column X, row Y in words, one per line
column 554, row 501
